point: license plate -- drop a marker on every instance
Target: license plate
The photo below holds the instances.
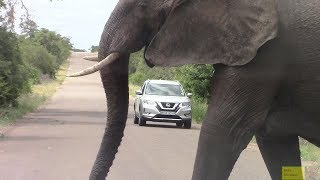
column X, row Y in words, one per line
column 168, row 113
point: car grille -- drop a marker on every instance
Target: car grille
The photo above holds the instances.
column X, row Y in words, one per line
column 167, row 116
column 167, row 105
column 171, row 106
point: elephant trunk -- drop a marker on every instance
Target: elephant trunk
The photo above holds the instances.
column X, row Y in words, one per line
column 115, row 82
column 120, row 36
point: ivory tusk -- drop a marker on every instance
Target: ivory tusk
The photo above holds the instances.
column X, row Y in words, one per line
column 92, row 58
column 108, row 60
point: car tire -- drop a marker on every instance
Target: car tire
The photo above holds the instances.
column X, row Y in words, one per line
column 179, row 124
column 136, row 119
column 142, row 121
column 187, row 124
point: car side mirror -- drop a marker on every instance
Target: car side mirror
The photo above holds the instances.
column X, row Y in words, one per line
column 138, row 92
column 189, row 95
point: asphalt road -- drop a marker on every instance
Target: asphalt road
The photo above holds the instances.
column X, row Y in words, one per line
column 61, row 139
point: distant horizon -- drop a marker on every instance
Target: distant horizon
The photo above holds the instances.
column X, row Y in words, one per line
column 81, row 21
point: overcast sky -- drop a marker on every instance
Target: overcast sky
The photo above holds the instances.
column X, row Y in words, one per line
column 81, row 20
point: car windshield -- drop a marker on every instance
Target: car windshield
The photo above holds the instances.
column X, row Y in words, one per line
column 164, row 90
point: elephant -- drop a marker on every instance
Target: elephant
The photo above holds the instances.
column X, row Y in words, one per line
column 266, row 84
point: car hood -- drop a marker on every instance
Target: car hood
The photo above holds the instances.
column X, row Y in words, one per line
column 173, row 99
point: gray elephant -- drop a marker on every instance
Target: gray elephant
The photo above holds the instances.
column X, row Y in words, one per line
column 267, row 79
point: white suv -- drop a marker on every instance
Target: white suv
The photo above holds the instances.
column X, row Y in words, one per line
column 162, row 101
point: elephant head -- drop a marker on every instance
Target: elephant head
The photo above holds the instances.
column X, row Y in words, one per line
column 173, row 32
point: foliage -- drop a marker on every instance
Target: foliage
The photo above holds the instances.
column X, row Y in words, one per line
column 2, row 4
column 199, row 109
column 23, row 61
column 55, row 44
column 8, row 10
column 8, row 15
column 94, row 48
column 28, row 27
column 31, row 101
column 14, row 73
column 196, row 79
column 139, row 70
column 78, row 50
column 36, row 56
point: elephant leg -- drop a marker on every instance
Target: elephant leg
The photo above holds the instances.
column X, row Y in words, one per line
column 278, row 139
column 278, row 152
column 239, row 104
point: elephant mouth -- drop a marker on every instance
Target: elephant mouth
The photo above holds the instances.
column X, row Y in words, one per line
column 144, row 55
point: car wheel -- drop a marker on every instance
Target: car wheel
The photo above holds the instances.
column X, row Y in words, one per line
column 187, row 124
column 136, row 119
column 179, row 124
column 142, row 122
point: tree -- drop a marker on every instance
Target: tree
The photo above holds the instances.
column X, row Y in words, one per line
column 28, row 27
column 56, row 44
column 14, row 73
column 78, row 50
column 37, row 57
column 8, row 11
column 196, row 79
column 94, row 48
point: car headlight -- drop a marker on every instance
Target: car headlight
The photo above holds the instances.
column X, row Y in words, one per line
column 186, row 104
column 151, row 103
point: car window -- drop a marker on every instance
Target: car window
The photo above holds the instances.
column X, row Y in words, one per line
column 164, row 90
column 143, row 88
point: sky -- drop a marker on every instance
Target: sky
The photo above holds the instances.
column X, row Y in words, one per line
column 80, row 20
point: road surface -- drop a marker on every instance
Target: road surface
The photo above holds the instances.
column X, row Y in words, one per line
column 61, row 139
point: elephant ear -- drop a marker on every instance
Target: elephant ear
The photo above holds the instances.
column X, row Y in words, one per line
column 213, row 31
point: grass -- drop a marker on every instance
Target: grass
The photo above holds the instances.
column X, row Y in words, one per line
column 30, row 102
column 309, row 152
column 199, row 110
column 132, row 89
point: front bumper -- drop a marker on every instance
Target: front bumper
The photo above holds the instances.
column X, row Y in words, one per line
column 152, row 113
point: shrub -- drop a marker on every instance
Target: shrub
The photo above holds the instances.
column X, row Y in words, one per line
column 14, row 73
column 94, row 48
column 35, row 55
column 196, row 79
column 199, row 109
column 55, row 44
column 137, row 78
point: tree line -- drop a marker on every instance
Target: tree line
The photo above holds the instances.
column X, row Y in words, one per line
column 28, row 57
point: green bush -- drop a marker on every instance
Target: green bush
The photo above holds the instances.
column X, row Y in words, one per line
column 199, row 109
column 139, row 70
column 137, row 78
column 14, row 73
column 196, row 79
column 34, row 75
column 94, row 48
column 55, row 44
column 36, row 56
